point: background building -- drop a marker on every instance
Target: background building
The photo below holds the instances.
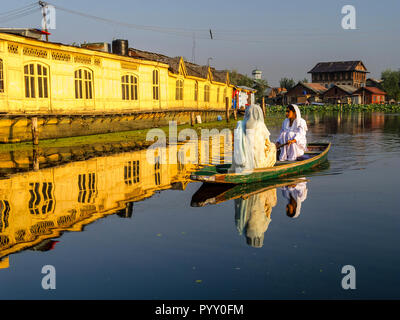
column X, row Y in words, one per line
column 352, row 73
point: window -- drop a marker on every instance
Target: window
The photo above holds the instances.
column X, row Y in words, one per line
column 196, row 91
column 36, row 81
column 157, row 172
column 206, row 93
column 131, row 172
column 83, row 84
column 179, row 90
column 1, row 76
column 156, row 85
column 225, row 94
column 217, row 94
column 129, row 87
column 42, row 198
column 87, row 188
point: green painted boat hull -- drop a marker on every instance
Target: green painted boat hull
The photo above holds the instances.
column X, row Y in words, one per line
column 317, row 154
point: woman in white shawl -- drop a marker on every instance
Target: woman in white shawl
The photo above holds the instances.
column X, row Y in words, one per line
column 252, row 147
column 295, row 194
column 292, row 138
column 253, row 216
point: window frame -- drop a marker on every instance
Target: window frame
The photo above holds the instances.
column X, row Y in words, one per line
column 86, row 84
column 156, row 84
column 36, row 80
column 179, row 85
column 130, row 87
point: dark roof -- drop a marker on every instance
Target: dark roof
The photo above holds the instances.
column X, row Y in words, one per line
column 373, row 90
column 158, row 57
column 346, row 88
column 336, row 66
column 192, row 69
column 315, row 87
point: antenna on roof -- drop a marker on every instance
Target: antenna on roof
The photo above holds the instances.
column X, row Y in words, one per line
column 43, row 5
column 194, row 48
column 211, row 35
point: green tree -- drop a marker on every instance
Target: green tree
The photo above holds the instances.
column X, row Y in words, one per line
column 305, row 80
column 239, row 79
column 391, row 83
column 260, row 85
column 287, row 83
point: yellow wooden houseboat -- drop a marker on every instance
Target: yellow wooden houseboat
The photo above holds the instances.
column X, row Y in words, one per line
column 56, row 82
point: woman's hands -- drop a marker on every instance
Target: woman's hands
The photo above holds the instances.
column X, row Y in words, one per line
column 291, row 141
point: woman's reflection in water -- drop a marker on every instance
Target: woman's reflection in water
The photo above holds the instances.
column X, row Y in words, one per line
column 295, row 194
column 253, row 215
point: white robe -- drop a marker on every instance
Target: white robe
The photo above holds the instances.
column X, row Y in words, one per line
column 252, row 147
column 298, row 193
column 253, row 215
column 297, row 131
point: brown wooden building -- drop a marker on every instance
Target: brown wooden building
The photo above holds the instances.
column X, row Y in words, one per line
column 351, row 73
column 340, row 94
column 371, row 95
column 305, row 93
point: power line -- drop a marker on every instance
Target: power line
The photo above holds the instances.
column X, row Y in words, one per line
column 18, row 13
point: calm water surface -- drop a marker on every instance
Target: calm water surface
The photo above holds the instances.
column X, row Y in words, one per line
column 116, row 227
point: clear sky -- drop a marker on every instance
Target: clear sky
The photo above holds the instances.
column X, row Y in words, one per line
column 281, row 38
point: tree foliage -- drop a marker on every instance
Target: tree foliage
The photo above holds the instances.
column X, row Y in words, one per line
column 260, row 85
column 239, row 79
column 287, row 83
column 391, row 83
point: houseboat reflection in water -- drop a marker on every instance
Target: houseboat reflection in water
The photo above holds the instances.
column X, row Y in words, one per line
column 37, row 206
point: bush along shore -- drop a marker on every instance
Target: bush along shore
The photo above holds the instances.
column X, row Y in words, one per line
column 337, row 107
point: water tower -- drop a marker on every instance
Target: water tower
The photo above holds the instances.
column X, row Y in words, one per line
column 257, row 74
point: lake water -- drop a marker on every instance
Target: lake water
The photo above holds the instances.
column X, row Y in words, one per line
column 116, row 227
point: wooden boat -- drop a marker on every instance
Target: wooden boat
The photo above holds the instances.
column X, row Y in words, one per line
column 316, row 155
column 214, row 193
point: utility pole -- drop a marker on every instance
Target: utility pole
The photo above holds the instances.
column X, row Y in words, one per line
column 43, row 5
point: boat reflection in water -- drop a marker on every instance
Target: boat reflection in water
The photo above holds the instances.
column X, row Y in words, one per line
column 38, row 205
column 254, row 203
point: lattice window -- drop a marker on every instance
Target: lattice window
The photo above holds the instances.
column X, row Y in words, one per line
column 4, row 214
column 131, row 172
column 42, row 227
column 225, row 91
column 83, row 84
column 36, row 73
column 66, row 220
column 83, row 59
column 179, row 90
column 13, row 48
column 4, row 241
column 34, row 52
column 87, row 188
column 206, row 93
column 156, row 85
column 97, row 62
column 61, row 56
column 1, row 76
column 217, row 94
column 20, row 235
column 42, row 198
column 129, row 85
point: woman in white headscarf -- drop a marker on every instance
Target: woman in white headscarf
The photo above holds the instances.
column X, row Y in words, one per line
column 253, row 216
column 252, row 147
column 295, row 194
column 292, row 138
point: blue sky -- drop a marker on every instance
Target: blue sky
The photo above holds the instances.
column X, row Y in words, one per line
column 282, row 38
